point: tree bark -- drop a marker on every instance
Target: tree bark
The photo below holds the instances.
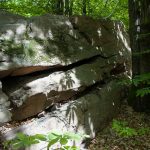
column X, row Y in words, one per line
column 71, row 7
column 67, row 7
column 84, row 8
column 60, row 7
column 139, row 29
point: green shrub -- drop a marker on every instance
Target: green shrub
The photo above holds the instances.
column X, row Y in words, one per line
column 142, row 82
column 23, row 140
column 122, row 129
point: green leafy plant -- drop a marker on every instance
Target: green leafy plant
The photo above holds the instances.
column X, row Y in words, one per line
column 143, row 131
column 143, row 91
column 143, row 78
column 122, row 129
column 23, row 140
column 141, row 81
column 52, row 138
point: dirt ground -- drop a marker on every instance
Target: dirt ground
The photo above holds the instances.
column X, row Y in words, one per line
column 108, row 139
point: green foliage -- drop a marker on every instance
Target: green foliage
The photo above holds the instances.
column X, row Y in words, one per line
column 107, row 9
column 142, row 92
column 143, row 131
column 137, row 80
column 23, row 140
column 52, row 138
column 140, row 81
column 122, row 129
column 25, row 7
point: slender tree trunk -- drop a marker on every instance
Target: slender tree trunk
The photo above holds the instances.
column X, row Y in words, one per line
column 71, row 7
column 67, row 7
column 60, row 7
column 139, row 29
column 84, row 7
column 134, row 30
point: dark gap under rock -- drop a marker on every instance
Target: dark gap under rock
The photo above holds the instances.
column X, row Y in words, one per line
column 53, row 97
column 37, row 70
column 14, row 79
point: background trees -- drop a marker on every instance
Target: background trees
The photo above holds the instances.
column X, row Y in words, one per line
column 113, row 9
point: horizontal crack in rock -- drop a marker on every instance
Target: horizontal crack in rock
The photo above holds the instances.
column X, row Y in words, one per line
column 99, row 84
column 60, row 98
column 37, row 70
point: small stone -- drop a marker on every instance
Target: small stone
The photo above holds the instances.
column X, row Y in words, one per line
column 102, row 141
column 42, row 114
column 3, row 97
column 5, row 116
column 7, row 104
column 2, row 107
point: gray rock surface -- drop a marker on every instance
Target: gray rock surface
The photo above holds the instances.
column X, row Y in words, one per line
column 30, row 45
column 5, row 114
column 86, row 115
column 34, row 44
column 50, row 59
column 43, row 92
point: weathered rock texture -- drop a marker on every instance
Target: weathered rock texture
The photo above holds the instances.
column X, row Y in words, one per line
column 52, row 59
column 87, row 114
column 5, row 114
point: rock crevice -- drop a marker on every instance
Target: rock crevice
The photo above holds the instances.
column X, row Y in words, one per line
column 51, row 59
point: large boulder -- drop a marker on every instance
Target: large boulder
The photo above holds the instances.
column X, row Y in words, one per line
column 52, row 59
column 30, row 45
column 38, row 43
column 107, row 36
column 86, row 115
column 31, row 95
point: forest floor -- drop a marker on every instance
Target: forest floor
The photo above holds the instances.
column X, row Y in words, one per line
column 137, row 123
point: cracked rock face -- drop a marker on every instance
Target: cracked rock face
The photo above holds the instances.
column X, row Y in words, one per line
column 5, row 114
column 44, row 91
column 54, row 59
column 87, row 115
column 26, row 45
